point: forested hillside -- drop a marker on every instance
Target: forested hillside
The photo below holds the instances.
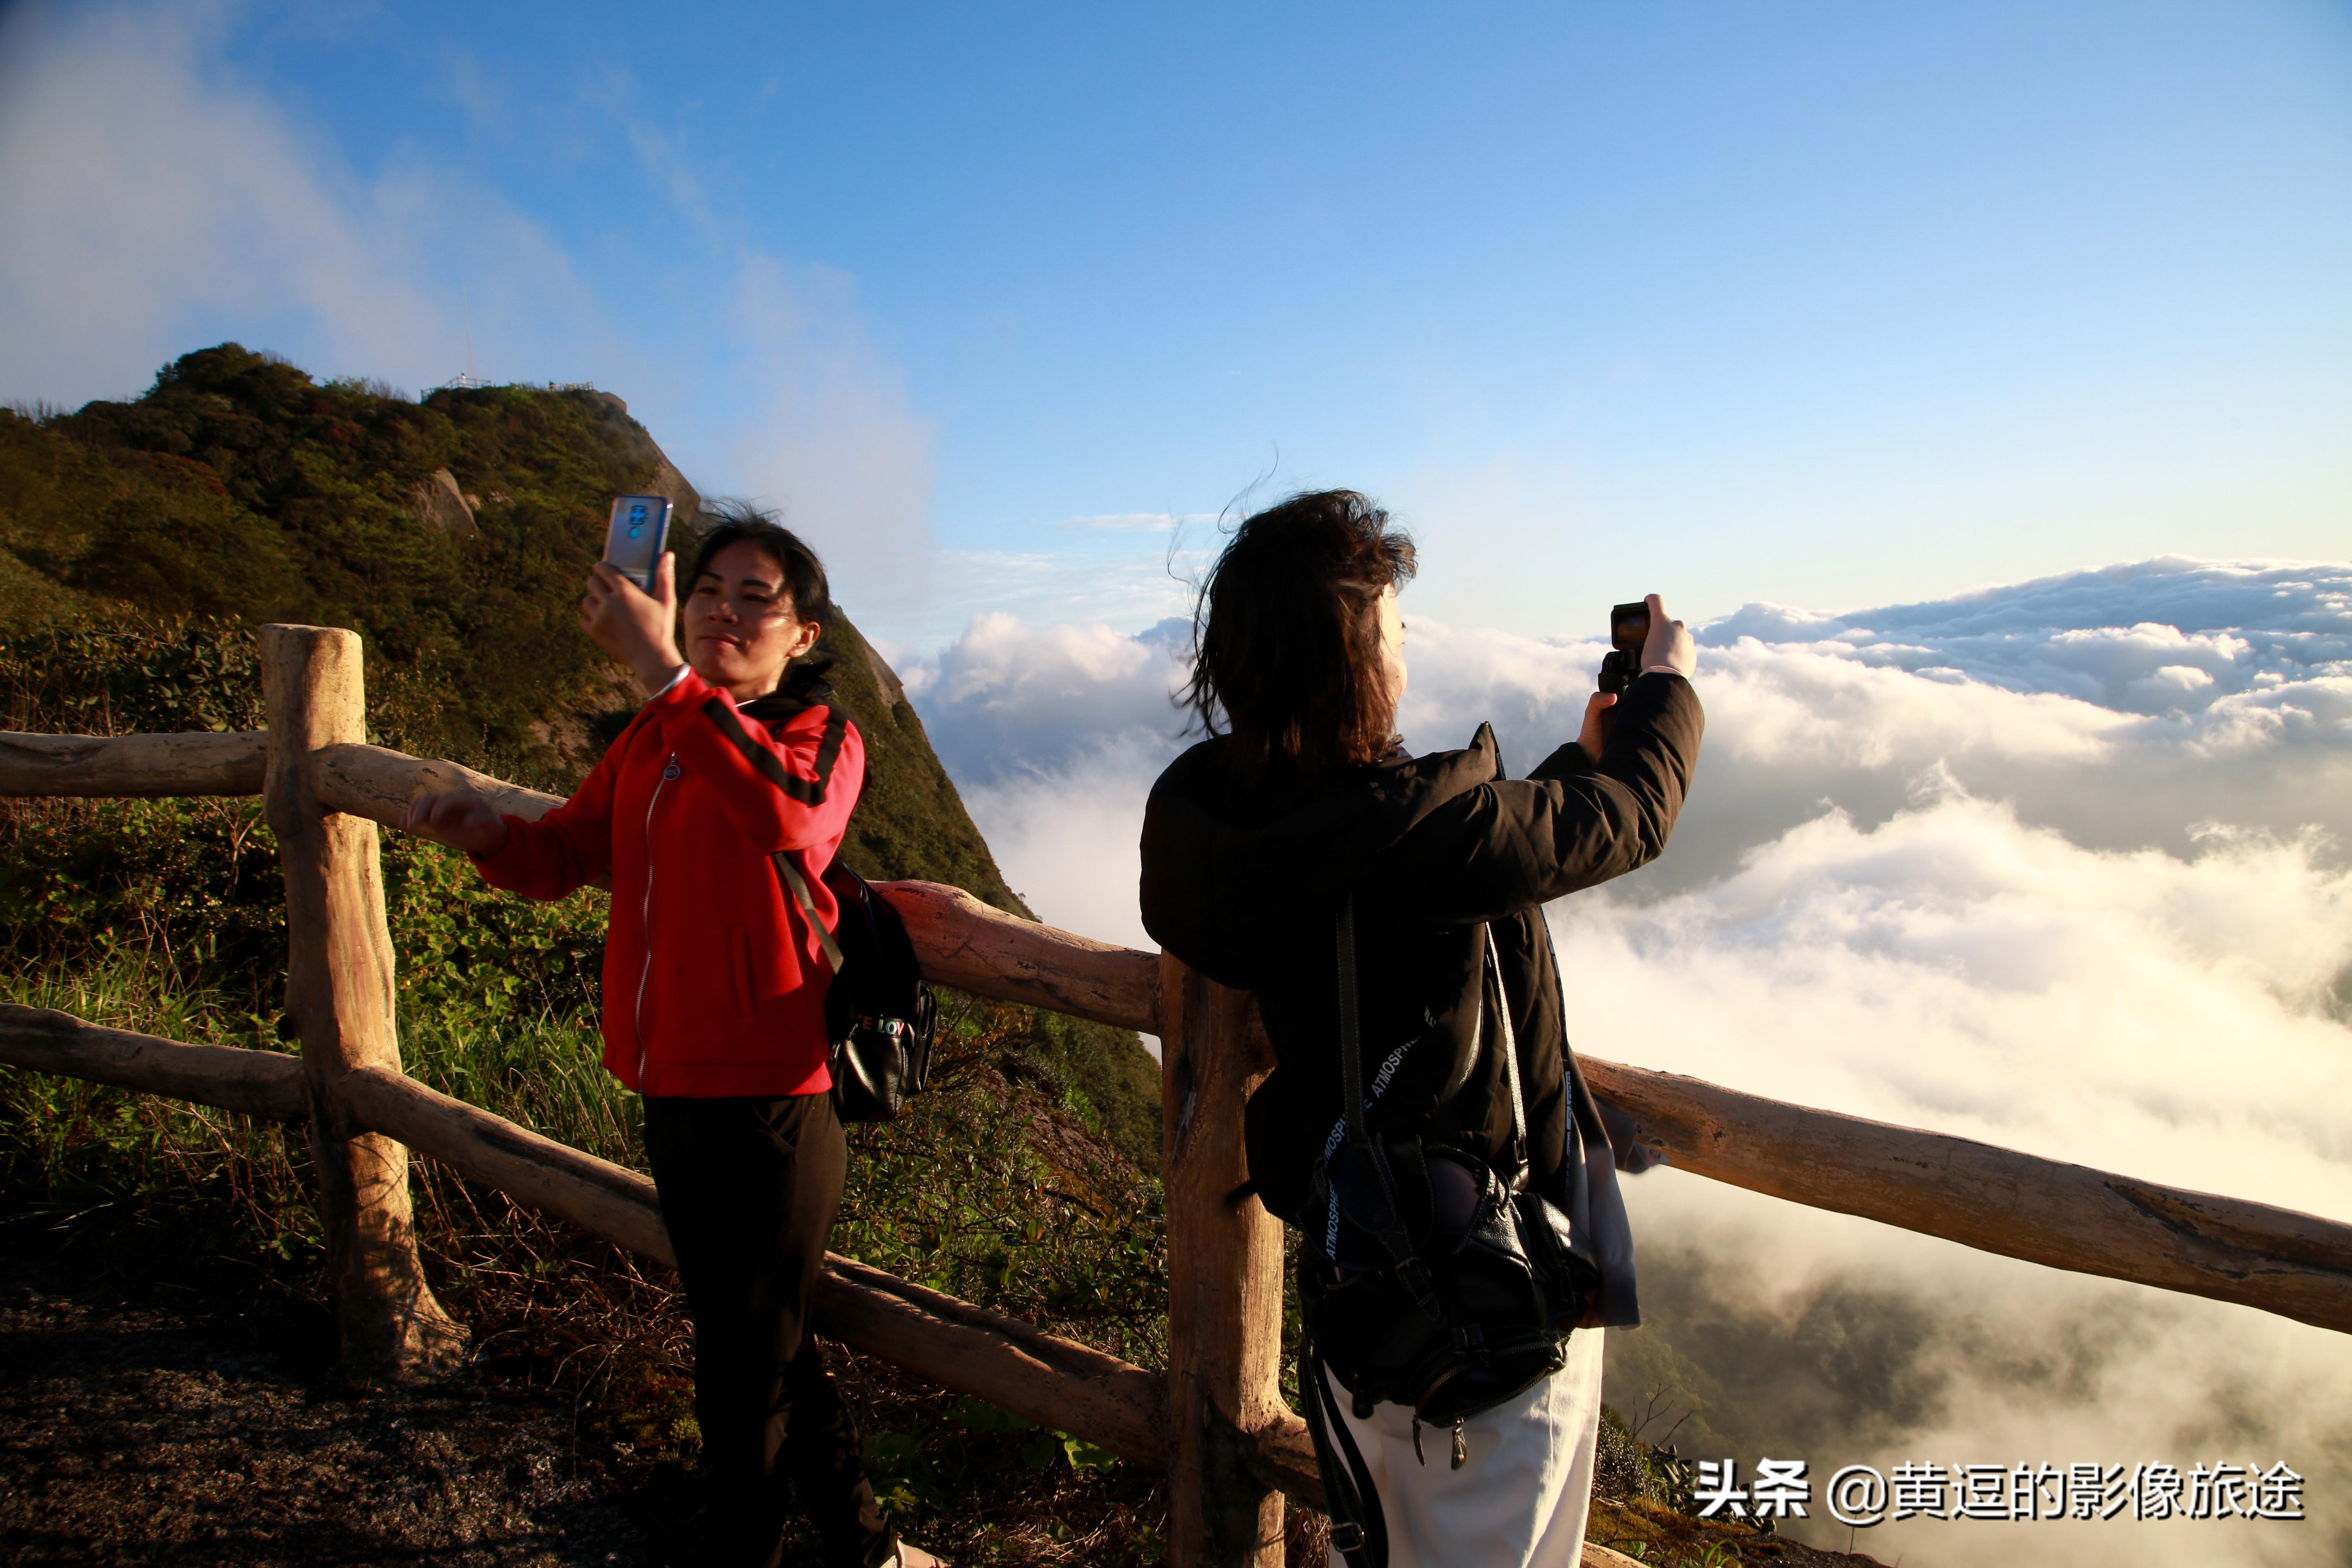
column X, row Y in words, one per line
column 141, row 541
column 140, row 545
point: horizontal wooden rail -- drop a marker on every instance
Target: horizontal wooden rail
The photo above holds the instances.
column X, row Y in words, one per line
column 1015, row 1365
column 377, row 782
column 1994, row 1199
column 260, row 1083
column 959, row 941
column 1008, row 1362
column 962, row 942
column 1998, row 1200
column 134, row 765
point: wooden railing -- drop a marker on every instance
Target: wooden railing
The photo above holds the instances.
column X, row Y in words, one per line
column 1216, row 1424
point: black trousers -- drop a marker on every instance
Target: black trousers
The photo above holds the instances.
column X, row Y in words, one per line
column 748, row 1190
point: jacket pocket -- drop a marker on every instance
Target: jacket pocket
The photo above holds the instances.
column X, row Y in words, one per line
column 738, row 943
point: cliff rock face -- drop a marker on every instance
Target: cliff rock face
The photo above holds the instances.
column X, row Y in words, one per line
column 442, row 504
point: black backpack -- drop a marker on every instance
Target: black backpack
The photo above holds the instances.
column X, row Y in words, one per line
column 879, row 1013
column 1430, row 1280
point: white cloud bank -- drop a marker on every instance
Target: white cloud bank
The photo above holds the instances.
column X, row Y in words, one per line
column 2058, row 866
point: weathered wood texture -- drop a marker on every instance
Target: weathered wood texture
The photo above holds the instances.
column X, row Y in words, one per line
column 1013, row 1365
column 973, row 947
column 378, row 783
column 260, row 1083
column 339, row 992
column 597, row 1195
column 1997, row 1200
column 2064, row 1216
column 195, row 764
column 1224, row 1282
column 1281, row 1453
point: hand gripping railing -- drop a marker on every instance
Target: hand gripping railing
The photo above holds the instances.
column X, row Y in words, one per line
column 1217, row 1422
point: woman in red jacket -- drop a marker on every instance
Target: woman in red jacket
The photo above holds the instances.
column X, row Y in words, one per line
column 733, row 782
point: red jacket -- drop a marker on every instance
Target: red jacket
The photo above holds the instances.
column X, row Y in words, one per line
column 714, row 984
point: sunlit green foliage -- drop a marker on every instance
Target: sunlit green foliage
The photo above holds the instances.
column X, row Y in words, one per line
column 141, row 543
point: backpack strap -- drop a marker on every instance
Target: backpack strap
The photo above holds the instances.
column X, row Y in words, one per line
column 788, row 872
column 1352, row 1050
column 1397, row 1241
column 1494, row 962
column 1360, row 1533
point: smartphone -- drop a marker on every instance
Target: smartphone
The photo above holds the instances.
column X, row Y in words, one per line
column 632, row 543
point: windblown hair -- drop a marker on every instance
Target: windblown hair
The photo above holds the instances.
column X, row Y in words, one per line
column 1286, row 647
column 727, row 522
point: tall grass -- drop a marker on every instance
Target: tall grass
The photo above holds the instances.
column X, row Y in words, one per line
column 106, row 1162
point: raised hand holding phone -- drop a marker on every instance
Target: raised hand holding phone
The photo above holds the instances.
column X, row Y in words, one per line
column 635, row 627
column 637, row 536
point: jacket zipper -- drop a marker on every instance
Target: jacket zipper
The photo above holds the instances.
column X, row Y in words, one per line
column 646, row 918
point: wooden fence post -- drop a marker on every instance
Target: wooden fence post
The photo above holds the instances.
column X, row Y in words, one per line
column 1224, row 1282
column 339, row 992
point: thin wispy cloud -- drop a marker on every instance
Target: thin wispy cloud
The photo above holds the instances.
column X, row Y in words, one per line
column 160, row 201
column 1133, row 521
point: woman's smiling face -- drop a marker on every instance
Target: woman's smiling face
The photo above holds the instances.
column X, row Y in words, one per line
column 740, row 626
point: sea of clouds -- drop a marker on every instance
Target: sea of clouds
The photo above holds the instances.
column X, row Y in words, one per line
column 2061, row 866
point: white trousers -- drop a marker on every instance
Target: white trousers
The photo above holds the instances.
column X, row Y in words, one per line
column 1520, row 1499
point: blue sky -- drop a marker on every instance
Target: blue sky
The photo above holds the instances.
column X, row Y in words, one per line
column 1825, row 305
column 1831, row 306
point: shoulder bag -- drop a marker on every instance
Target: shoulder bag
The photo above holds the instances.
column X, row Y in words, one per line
column 1429, row 1277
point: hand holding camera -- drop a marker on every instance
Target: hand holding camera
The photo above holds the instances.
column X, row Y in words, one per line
column 1641, row 640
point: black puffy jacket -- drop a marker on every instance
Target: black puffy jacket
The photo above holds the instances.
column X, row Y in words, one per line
column 1245, row 887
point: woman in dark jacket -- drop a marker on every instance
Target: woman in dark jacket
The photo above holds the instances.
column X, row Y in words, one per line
column 1253, row 841
column 737, row 774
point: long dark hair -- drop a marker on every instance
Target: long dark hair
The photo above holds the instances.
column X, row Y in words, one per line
column 1286, row 647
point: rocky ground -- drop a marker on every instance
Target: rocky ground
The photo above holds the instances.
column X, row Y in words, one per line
column 170, row 1418
column 145, row 1423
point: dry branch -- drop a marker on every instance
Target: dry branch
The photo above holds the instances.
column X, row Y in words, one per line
column 963, row 942
column 260, row 1083
column 1998, row 1200
column 959, row 941
column 1995, row 1199
column 193, row 763
column 1281, row 1454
